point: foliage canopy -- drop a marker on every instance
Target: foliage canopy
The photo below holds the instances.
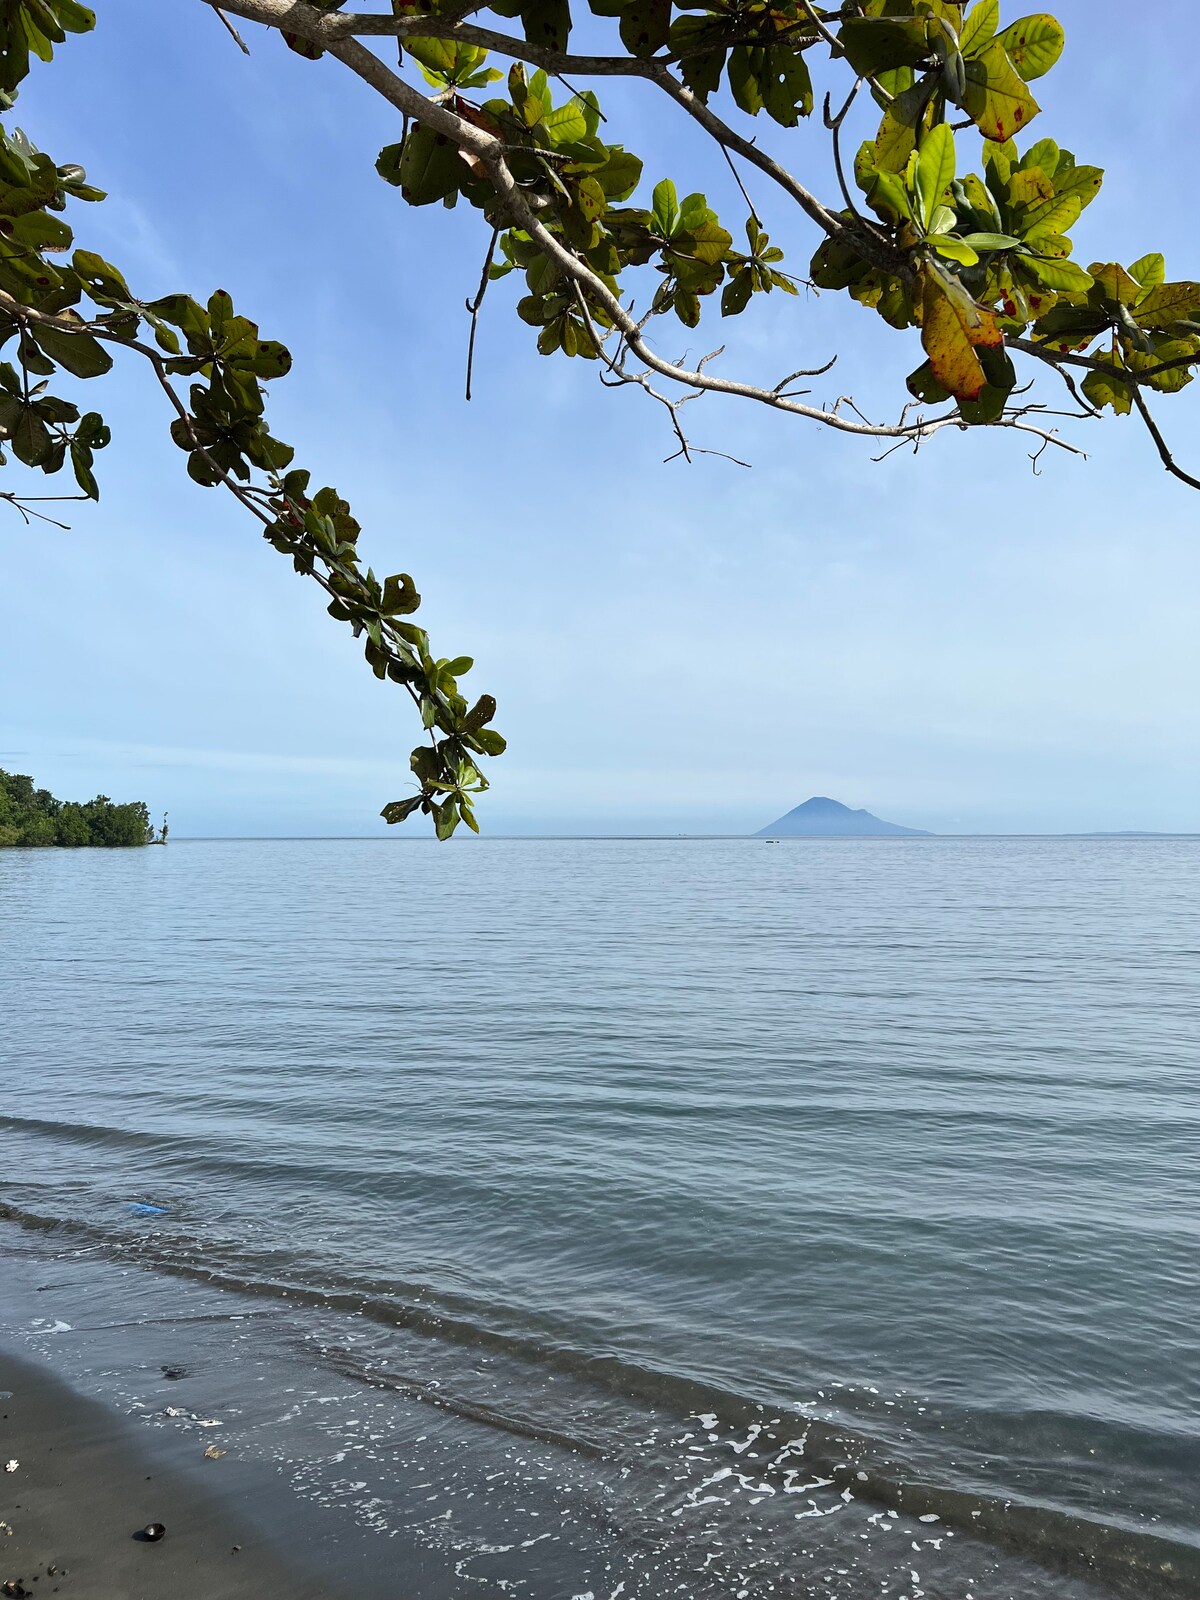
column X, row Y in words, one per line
column 946, row 221
column 30, row 817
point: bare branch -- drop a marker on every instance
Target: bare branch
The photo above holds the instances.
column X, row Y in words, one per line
column 1160, row 444
column 25, row 503
column 237, row 38
column 474, row 305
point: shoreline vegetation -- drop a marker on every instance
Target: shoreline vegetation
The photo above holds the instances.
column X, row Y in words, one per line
column 32, row 819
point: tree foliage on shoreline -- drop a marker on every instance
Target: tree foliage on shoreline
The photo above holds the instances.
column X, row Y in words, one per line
column 32, row 817
column 946, row 222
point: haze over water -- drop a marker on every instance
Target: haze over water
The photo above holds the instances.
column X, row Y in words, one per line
column 718, row 1210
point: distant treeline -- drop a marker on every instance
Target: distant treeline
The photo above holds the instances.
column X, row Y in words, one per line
column 30, row 817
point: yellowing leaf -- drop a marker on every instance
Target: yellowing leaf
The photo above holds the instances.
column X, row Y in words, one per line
column 1164, row 303
column 1029, row 186
column 1115, row 283
column 1052, row 216
column 952, row 326
column 996, row 96
column 1103, row 390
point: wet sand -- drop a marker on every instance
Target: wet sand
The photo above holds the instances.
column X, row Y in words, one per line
column 84, row 1486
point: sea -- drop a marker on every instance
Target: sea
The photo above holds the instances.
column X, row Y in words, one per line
column 642, row 1218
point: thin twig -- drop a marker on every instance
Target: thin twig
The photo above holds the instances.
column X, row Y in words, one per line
column 237, row 38
column 474, row 305
column 572, row 90
column 738, row 180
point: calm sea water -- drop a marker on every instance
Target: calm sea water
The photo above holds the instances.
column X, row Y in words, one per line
column 797, row 1220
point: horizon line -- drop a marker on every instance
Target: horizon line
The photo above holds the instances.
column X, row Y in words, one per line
column 757, row 837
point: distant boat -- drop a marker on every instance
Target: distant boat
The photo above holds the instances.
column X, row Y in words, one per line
column 822, row 818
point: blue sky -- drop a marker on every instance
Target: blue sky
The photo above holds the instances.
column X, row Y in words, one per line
column 947, row 640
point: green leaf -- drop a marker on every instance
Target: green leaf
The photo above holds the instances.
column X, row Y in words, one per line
column 1149, row 269
column 935, row 170
column 30, row 438
column 468, row 815
column 709, row 242
column 1062, row 276
column 621, row 173
column 429, row 167
column 953, row 249
column 771, row 78
column 399, row 810
column 1045, row 154
column 736, row 294
column 492, row 743
column 990, row 241
column 980, row 26
column 665, row 208
column 445, row 61
column 79, row 353
column 81, row 464
column 445, row 818
column 879, row 44
column 93, row 431
column 74, row 17
column 922, row 385
column 40, row 231
column 1033, row 44
column 101, row 278
column 566, row 124
column 888, row 196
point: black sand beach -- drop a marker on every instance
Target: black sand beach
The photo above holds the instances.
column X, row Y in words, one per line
column 84, row 1486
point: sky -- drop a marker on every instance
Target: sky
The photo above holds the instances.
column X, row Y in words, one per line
column 949, row 639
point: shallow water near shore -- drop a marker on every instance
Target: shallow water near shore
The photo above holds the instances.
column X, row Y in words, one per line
column 657, row 1216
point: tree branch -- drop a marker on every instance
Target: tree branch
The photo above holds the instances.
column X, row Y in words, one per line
column 1160, row 444
column 488, row 153
column 332, row 29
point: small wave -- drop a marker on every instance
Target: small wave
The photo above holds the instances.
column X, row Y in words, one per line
column 1132, row 1562
column 91, row 1134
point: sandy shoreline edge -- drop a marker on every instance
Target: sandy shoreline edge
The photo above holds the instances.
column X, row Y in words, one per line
column 85, row 1483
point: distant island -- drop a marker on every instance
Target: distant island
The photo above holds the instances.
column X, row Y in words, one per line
column 822, row 818
column 31, row 818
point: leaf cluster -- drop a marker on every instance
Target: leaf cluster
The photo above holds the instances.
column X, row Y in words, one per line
column 63, row 310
